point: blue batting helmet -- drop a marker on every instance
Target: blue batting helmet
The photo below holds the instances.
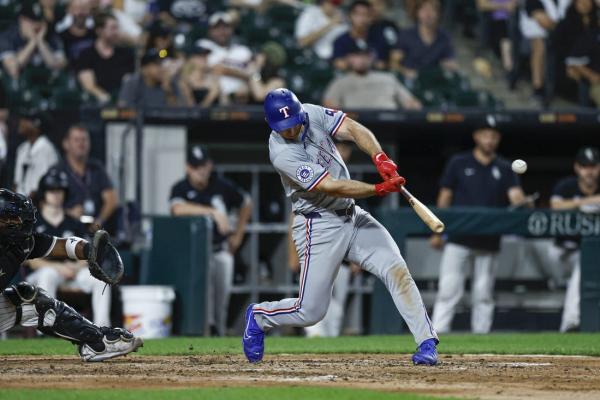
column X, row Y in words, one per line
column 283, row 110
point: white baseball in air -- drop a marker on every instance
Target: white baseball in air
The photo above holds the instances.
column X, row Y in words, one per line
column 519, row 166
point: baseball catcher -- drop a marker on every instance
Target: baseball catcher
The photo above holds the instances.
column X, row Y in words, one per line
column 28, row 305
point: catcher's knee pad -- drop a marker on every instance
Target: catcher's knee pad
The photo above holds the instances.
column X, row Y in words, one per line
column 54, row 317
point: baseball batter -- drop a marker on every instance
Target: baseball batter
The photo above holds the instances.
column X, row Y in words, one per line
column 328, row 227
column 29, row 305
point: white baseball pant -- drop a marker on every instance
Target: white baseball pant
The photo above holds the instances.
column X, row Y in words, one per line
column 220, row 280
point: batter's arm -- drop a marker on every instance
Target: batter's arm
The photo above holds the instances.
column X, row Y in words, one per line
column 359, row 134
column 345, row 188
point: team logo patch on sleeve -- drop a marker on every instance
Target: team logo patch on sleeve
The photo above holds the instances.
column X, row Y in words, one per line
column 305, row 173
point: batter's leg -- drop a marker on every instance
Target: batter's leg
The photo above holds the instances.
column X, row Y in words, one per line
column 570, row 316
column 482, row 292
column 451, row 284
column 321, row 244
column 223, row 281
column 374, row 249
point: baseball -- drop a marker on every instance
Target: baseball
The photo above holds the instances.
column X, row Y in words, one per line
column 519, row 166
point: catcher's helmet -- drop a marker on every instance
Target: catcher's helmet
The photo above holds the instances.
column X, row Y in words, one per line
column 17, row 216
column 52, row 180
column 283, row 110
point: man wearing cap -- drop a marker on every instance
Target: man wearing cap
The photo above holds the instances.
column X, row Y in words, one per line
column 28, row 42
column 101, row 67
column 203, row 193
column 476, row 178
column 361, row 87
column 319, row 25
column 51, row 274
column 148, row 88
column 580, row 192
column 34, row 156
column 227, row 59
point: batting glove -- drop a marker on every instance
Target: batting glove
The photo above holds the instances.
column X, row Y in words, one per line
column 389, row 186
column 386, row 167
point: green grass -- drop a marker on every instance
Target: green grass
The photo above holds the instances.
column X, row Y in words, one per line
column 535, row 343
column 287, row 393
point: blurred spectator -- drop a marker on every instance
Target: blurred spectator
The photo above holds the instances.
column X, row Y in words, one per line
column 91, row 196
column 537, row 19
column 181, row 12
column 52, row 10
column 579, row 192
column 497, row 15
column 30, row 43
column 584, row 64
column 205, row 193
column 197, row 85
column 160, row 36
column 362, row 87
column 426, row 45
column 387, row 29
column 102, row 66
column 152, row 86
column 136, row 9
column 77, row 29
column 473, row 178
column 34, row 156
column 264, row 70
column 51, row 274
column 130, row 32
column 261, row 6
column 319, row 26
column 360, row 35
column 227, row 59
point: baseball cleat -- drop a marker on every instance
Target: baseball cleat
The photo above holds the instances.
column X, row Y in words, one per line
column 426, row 353
column 115, row 342
column 253, row 340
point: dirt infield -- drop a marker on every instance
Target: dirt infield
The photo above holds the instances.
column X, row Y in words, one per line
column 472, row 376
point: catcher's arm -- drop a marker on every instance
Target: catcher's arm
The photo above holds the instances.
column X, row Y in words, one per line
column 104, row 261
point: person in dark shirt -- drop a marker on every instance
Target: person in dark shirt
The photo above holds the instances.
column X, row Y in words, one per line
column 76, row 30
column 28, row 305
column 474, row 178
column 360, row 36
column 50, row 274
column 580, row 192
column 204, row 193
column 425, row 45
column 91, row 196
column 101, row 67
column 29, row 42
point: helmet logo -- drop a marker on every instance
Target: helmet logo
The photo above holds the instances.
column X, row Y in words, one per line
column 284, row 111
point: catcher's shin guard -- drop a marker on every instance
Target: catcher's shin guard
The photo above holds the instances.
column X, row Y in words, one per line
column 53, row 316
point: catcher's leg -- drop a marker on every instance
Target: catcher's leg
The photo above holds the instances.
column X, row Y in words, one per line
column 33, row 307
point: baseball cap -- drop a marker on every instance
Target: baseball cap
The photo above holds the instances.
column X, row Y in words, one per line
column 486, row 122
column 33, row 115
column 32, row 10
column 150, row 56
column 197, row 155
column 588, row 156
column 220, row 17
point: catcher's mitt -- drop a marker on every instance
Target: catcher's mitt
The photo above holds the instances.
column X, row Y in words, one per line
column 104, row 260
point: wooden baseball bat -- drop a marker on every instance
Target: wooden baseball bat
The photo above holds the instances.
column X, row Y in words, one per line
column 423, row 212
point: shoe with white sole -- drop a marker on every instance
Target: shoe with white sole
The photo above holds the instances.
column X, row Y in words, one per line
column 115, row 342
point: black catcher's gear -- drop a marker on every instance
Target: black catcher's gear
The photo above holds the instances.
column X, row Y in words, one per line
column 17, row 216
column 104, row 260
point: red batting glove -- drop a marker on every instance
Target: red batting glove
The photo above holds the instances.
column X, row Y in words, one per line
column 390, row 186
column 386, row 167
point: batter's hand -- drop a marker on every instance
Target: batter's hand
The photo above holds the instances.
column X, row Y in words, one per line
column 389, row 186
column 386, row 167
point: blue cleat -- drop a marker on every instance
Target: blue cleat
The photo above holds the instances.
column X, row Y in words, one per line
column 426, row 353
column 254, row 338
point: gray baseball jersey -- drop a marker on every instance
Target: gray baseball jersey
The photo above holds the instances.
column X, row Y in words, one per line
column 324, row 239
column 303, row 164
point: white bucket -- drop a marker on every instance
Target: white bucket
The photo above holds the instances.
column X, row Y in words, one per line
column 148, row 310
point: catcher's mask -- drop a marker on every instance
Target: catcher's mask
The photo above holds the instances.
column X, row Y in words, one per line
column 17, row 216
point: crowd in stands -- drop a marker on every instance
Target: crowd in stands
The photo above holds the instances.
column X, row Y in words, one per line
column 65, row 53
